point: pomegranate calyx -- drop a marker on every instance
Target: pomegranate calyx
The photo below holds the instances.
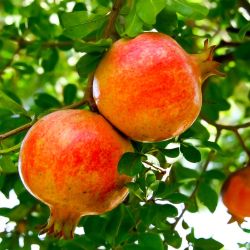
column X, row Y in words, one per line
column 237, row 219
column 61, row 224
column 205, row 62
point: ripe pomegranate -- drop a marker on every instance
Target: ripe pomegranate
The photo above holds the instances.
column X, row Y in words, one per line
column 236, row 194
column 150, row 88
column 68, row 160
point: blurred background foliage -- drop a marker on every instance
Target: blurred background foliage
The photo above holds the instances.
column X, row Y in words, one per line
column 47, row 50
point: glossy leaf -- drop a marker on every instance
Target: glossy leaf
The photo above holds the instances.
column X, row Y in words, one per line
column 8, row 103
column 87, row 64
column 147, row 10
column 190, row 152
column 69, row 93
column 131, row 164
column 208, row 196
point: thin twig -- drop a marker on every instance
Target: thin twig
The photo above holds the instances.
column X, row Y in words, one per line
column 112, row 17
column 242, row 143
column 84, row 101
column 226, row 127
column 10, row 150
column 198, row 182
column 16, row 130
column 158, row 168
column 29, row 125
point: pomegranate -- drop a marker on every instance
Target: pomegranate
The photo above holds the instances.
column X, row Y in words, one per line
column 150, row 88
column 68, row 160
column 236, row 193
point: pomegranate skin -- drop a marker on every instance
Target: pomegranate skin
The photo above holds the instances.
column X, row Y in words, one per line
column 149, row 87
column 236, row 193
column 68, row 160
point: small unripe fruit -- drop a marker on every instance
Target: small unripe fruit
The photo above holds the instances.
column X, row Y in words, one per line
column 68, row 160
column 150, row 88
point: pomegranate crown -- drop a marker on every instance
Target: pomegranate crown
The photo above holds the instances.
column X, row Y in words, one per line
column 207, row 66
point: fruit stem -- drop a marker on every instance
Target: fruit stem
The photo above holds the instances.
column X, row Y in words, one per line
column 107, row 33
column 61, row 223
column 205, row 62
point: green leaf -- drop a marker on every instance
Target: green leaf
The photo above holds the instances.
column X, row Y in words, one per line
column 214, row 174
column 91, row 223
column 79, row 24
column 69, row 93
column 207, row 196
column 197, row 131
column 8, row 103
column 177, row 198
column 213, row 100
column 157, row 213
column 150, row 241
column 147, row 10
column 187, row 9
column 210, row 144
column 133, row 24
column 136, row 190
column 171, row 153
column 50, row 58
column 190, row 152
column 182, row 173
column 87, row 64
column 150, row 178
column 131, row 163
column 6, row 165
column 24, row 68
column 124, row 222
column 166, row 21
column 244, row 30
column 173, row 239
column 162, row 189
column 207, row 244
column 90, row 47
column 46, row 101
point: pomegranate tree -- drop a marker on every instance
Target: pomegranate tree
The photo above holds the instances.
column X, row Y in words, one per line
column 236, row 193
column 68, row 160
column 150, row 88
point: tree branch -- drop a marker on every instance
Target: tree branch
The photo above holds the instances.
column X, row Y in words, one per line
column 88, row 98
column 234, row 129
column 112, row 17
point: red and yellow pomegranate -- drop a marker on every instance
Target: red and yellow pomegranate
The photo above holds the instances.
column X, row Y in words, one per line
column 68, row 160
column 236, row 194
column 150, row 88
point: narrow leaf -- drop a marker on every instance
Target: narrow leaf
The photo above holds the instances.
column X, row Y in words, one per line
column 8, row 103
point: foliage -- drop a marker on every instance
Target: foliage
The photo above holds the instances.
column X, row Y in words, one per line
column 43, row 44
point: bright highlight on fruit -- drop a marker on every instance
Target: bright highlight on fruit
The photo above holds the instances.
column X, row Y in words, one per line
column 236, row 193
column 150, row 88
column 68, row 160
